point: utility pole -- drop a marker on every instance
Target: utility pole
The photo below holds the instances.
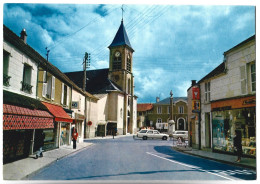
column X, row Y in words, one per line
column 86, row 64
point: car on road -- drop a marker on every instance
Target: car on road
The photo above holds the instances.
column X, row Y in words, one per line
column 154, row 134
column 180, row 134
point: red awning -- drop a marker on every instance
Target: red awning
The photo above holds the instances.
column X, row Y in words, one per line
column 58, row 112
column 15, row 117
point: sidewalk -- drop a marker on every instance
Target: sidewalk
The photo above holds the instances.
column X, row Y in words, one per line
column 20, row 169
column 249, row 163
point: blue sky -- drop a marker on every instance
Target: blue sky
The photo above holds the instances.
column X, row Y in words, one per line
column 173, row 44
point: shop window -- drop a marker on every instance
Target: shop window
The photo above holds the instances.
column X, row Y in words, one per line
column 159, row 110
column 26, row 83
column 224, row 125
column 48, row 89
column 243, row 79
column 207, row 91
column 253, row 78
column 6, row 78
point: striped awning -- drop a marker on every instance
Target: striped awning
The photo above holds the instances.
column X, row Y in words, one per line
column 15, row 117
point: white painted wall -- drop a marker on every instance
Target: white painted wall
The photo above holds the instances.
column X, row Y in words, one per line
column 15, row 70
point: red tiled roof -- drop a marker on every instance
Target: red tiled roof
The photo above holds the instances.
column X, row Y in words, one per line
column 144, row 107
column 58, row 112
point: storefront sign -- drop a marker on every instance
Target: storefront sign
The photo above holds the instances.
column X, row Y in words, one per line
column 89, row 123
column 195, row 105
column 195, row 93
column 75, row 104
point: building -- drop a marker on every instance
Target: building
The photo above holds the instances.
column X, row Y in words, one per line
column 142, row 112
column 159, row 115
column 117, row 105
column 23, row 114
column 228, row 101
column 37, row 98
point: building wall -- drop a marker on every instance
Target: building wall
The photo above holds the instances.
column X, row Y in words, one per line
column 92, row 115
column 15, row 70
column 76, row 96
column 229, row 85
column 120, row 106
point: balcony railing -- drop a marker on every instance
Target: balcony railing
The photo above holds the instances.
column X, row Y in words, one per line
column 26, row 87
column 6, row 80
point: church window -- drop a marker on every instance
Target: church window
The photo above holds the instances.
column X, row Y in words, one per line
column 128, row 63
column 117, row 61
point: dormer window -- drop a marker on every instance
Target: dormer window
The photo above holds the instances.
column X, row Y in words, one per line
column 117, row 58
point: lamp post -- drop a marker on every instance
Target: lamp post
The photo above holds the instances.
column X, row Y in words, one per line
column 171, row 127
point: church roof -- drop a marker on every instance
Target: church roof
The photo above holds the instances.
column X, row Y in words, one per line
column 97, row 81
column 121, row 37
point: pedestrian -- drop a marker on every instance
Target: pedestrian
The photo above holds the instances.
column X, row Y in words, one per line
column 238, row 145
column 74, row 138
column 40, row 142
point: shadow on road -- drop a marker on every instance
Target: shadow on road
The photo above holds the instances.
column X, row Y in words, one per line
column 208, row 165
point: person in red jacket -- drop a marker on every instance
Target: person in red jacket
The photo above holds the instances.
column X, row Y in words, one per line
column 74, row 137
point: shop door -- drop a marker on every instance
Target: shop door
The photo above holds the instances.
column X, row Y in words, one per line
column 207, row 130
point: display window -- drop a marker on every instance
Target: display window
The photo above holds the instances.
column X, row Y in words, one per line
column 224, row 124
column 64, row 135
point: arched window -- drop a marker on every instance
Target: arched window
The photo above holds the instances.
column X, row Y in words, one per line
column 117, row 61
column 128, row 66
column 129, row 86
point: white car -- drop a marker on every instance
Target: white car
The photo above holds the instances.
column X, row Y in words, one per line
column 155, row 134
column 181, row 134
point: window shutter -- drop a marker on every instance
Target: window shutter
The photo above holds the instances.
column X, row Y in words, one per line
column 243, row 79
column 53, row 88
column 44, row 85
column 62, row 92
column 67, row 103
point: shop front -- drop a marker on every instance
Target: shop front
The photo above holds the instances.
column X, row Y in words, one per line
column 20, row 125
column 78, row 123
column 231, row 115
column 62, row 124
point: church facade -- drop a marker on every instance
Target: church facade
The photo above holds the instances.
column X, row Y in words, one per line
column 116, row 109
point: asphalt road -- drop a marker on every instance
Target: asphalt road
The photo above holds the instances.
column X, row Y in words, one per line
column 128, row 159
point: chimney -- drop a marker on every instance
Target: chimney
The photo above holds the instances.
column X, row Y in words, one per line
column 157, row 99
column 23, row 35
column 193, row 82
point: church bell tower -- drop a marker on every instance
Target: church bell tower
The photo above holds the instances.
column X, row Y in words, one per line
column 120, row 60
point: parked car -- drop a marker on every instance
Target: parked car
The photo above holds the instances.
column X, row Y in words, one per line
column 180, row 134
column 155, row 134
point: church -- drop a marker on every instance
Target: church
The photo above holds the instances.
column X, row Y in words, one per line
column 116, row 109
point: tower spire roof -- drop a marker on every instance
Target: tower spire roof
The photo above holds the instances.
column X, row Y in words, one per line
column 121, row 37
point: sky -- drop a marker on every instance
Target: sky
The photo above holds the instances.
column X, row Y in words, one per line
column 173, row 43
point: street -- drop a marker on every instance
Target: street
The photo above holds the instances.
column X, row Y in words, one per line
column 128, row 159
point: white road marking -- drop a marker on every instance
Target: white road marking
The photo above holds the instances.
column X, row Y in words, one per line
column 190, row 166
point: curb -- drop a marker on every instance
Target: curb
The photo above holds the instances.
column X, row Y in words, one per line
column 214, row 159
column 34, row 172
